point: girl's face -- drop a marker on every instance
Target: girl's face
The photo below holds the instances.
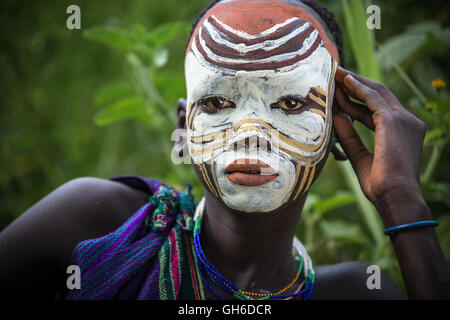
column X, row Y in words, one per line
column 260, row 84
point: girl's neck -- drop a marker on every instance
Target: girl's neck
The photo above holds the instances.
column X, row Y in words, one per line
column 252, row 250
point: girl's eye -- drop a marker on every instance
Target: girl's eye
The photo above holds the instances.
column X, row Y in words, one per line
column 289, row 103
column 214, row 104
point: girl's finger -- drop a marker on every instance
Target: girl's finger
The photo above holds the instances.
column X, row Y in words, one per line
column 341, row 73
column 373, row 100
column 379, row 87
column 357, row 153
column 181, row 105
column 359, row 90
column 355, row 110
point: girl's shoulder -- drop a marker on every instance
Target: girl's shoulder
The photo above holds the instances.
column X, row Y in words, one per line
column 97, row 205
column 45, row 235
column 94, row 207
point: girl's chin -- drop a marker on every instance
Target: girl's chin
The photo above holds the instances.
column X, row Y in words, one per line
column 254, row 202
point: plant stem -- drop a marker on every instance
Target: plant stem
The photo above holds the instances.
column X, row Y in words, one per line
column 152, row 94
column 366, row 209
column 434, row 160
column 406, row 78
column 309, row 233
column 150, row 91
column 410, row 83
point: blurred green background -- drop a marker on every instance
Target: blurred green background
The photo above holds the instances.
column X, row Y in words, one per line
column 101, row 101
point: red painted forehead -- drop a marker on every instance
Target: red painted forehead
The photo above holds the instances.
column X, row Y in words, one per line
column 247, row 23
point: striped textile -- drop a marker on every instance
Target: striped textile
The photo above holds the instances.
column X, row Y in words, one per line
column 148, row 257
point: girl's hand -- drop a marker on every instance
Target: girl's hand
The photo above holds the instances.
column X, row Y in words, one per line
column 390, row 176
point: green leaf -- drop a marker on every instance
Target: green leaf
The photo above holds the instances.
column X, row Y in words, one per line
column 438, row 192
column 421, row 112
column 344, row 231
column 361, row 39
column 171, row 85
column 139, row 33
column 113, row 91
column 446, row 121
column 443, row 105
column 366, row 209
column 341, row 198
column 429, row 27
column 114, row 37
column 398, row 48
column 443, row 36
column 432, row 135
column 310, row 201
column 129, row 108
column 137, row 39
column 159, row 36
column 443, row 233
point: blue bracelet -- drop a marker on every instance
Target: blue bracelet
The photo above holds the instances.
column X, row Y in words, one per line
column 431, row 223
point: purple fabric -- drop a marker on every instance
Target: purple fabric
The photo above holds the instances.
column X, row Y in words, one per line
column 124, row 264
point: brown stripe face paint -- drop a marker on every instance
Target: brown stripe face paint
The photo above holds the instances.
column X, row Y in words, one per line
column 291, row 44
column 253, row 22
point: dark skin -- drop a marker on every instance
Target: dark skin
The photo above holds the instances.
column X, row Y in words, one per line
column 389, row 178
column 35, row 249
column 253, row 251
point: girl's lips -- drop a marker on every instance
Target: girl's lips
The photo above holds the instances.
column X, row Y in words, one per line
column 250, row 172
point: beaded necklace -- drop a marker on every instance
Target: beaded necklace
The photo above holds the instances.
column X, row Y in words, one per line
column 218, row 280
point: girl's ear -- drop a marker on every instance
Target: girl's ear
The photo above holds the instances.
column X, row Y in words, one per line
column 338, row 154
column 181, row 112
column 180, row 147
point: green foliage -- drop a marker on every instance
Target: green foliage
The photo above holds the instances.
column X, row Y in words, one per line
column 145, row 52
column 423, row 35
column 361, row 39
column 127, row 108
column 137, row 39
column 150, row 92
column 434, row 109
column 102, row 102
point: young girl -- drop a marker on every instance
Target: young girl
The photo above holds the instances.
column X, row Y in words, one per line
column 260, row 121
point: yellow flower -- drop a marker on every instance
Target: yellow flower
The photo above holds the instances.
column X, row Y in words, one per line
column 430, row 106
column 438, row 84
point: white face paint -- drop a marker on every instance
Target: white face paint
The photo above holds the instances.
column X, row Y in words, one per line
column 298, row 140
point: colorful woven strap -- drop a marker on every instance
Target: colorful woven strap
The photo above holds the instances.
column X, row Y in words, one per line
column 151, row 242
